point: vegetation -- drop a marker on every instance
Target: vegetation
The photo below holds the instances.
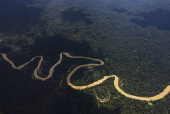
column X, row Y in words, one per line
column 138, row 56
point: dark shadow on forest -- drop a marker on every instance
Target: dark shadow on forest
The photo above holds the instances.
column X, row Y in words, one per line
column 53, row 46
column 159, row 18
column 15, row 15
column 104, row 110
column 5, row 49
column 72, row 15
column 116, row 8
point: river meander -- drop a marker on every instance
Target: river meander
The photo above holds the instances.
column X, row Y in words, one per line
column 116, row 80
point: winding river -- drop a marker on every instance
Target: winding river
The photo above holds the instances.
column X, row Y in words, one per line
column 116, row 80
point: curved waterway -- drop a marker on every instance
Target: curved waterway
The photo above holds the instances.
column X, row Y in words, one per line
column 116, row 81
